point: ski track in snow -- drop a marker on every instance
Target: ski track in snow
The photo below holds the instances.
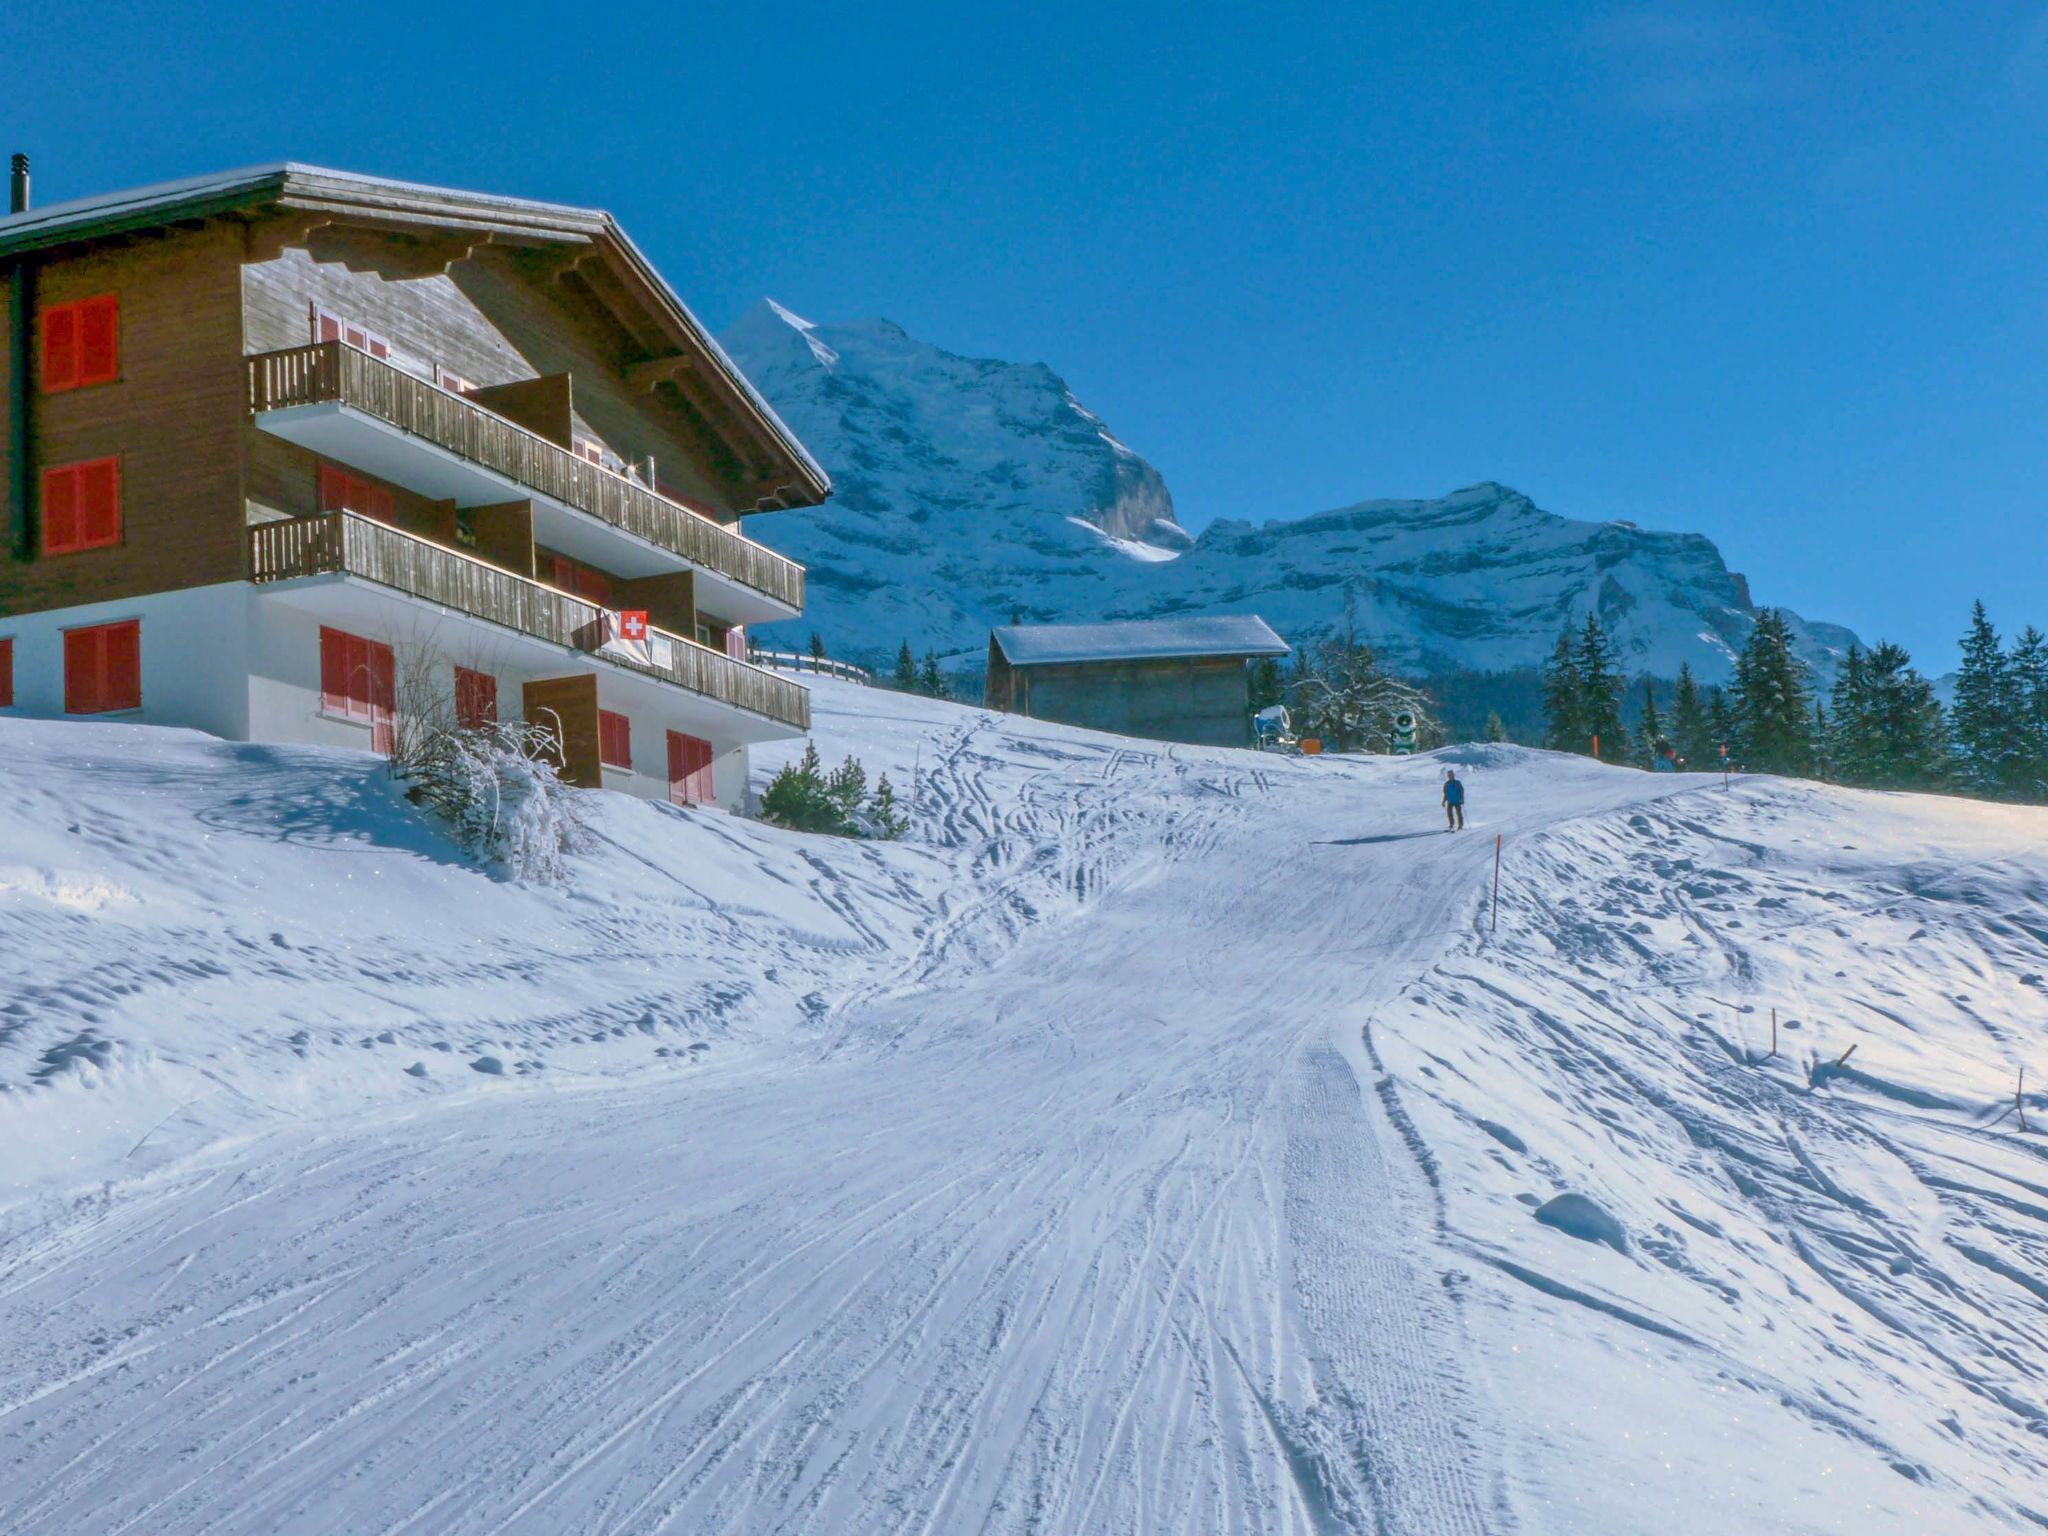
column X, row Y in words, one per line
column 1150, row 1149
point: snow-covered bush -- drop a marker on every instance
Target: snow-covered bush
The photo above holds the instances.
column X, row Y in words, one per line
column 497, row 788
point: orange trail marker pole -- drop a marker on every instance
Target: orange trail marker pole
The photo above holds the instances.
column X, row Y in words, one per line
column 1846, row 1054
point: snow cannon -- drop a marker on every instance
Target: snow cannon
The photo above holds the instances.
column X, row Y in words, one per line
column 1273, row 731
column 1404, row 733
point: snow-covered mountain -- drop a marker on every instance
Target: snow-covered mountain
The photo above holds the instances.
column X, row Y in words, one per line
column 971, row 492
column 1482, row 579
column 965, row 490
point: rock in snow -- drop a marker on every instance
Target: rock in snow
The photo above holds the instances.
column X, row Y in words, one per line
column 972, row 492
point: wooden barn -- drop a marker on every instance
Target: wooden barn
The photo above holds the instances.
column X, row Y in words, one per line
column 1171, row 679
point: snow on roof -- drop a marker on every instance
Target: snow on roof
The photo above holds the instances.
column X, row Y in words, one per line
column 1234, row 634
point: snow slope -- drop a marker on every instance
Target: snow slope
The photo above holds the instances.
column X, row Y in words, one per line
column 1160, row 1141
column 971, row 491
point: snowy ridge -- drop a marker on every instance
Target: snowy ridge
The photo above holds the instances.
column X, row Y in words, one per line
column 1155, row 1142
column 973, row 492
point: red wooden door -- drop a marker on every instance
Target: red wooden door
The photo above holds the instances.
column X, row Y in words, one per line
column 689, row 770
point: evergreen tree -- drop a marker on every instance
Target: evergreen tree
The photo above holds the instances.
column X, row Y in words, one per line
column 1650, row 730
column 1266, row 685
column 1773, row 712
column 929, row 678
column 2030, row 695
column 1909, row 738
column 817, row 646
column 1496, row 728
column 1690, row 732
column 1600, row 689
column 1986, row 713
column 1721, row 738
column 1563, row 714
column 905, row 676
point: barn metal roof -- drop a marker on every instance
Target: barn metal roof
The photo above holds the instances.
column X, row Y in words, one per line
column 1233, row 634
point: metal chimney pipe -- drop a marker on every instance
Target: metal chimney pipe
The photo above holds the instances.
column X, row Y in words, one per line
column 17, row 185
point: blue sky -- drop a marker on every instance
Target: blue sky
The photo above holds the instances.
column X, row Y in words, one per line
column 1777, row 274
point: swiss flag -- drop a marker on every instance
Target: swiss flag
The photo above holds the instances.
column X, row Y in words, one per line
column 633, row 624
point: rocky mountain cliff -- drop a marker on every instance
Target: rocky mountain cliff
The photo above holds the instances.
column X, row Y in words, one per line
column 970, row 492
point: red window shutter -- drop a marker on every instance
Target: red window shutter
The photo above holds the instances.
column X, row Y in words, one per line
column 562, row 572
column 593, row 586
column 6, row 674
column 333, row 489
column 60, row 348
column 736, row 642
column 103, row 668
column 381, row 503
column 121, row 658
column 614, row 739
column 99, row 340
column 60, row 510
column 81, row 506
column 689, row 770
column 334, row 670
column 81, row 671
column 99, row 503
column 476, row 698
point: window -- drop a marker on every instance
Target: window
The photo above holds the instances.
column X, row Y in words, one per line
column 589, row 448
column 689, row 770
column 103, row 668
column 81, row 343
column 614, row 739
column 736, row 642
column 476, row 698
column 81, row 506
column 331, row 327
column 357, row 682
column 6, row 674
column 454, row 383
column 341, row 491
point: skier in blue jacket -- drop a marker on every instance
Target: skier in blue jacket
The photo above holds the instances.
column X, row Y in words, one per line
column 1454, row 801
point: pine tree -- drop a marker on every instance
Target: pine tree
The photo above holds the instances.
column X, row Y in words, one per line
column 929, row 678
column 1496, row 728
column 1266, row 685
column 1986, row 711
column 1600, row 689
column 817, row 646
column 1773, row 712
column 1690, row 732
column 905, row 676
column 2030, row 696
column 1722, row 743
column 1563, row 714
column 1650, row 730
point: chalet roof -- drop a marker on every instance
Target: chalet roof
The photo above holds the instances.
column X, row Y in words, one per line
column 380, row 200
column 1234, row 634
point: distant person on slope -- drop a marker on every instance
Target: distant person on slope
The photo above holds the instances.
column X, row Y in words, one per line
column 1454, row 801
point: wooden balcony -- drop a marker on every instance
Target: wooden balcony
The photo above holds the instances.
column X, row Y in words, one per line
column 333, row 373
column 344, row 543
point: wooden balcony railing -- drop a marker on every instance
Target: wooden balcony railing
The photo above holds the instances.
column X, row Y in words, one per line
column 344, row 542
column 334, row 371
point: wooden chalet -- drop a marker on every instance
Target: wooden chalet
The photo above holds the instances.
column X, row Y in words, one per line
column 269, row 431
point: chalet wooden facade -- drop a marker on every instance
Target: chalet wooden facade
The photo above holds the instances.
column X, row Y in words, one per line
column 1169, row 679
column 279, row 438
